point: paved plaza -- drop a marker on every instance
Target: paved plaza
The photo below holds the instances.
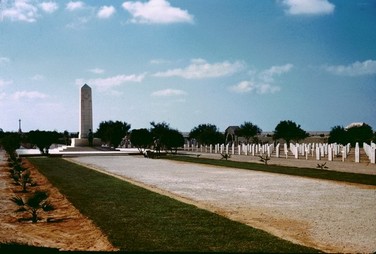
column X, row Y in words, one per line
column 331, row 216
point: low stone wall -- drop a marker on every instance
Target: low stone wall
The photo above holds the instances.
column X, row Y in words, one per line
column 77, row 142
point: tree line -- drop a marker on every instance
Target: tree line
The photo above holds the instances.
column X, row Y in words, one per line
column 160, row 136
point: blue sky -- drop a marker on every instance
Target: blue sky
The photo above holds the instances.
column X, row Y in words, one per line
column 188, row 62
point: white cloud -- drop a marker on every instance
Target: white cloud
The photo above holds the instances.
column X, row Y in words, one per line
column 200, row 69
column 104, row 84
column 156, row 11
column 49, row 7
column 79, row 23
column 159, row 61
column 75, row 5
column 262, row 82
column 4, row 83
column 19, row 10
column 243, row 87
column 28, row 95
column 37, row 77
column 367, row 67
column 308, row 7
column 250, row 86
column 4, row 60
column 97, row 71
column 168, row 93
column 264, row 88
column 268, row 75
column 106, row 12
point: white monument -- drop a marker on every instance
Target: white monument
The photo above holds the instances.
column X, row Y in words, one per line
column 86, row 120
column 86, row 112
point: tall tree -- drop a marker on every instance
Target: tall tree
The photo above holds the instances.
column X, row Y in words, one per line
column 360, row 134
column 43, row 139
column 112, row 132
column 248, row 130
column 206, row 134
column 141, row 138
column 159, row 132
column 338, row 135
column 165, row 137
column 173, row 140
column 289, row 130
column 10, row 142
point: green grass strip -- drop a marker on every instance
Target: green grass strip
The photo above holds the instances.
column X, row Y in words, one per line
column 295, row 171
column 136, row 219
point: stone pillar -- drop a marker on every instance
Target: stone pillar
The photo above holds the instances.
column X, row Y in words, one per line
column 86, row 111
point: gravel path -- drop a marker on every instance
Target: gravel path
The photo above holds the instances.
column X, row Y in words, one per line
column 331, row 216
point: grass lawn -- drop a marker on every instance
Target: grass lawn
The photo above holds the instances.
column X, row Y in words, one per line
column 135, row 219
column 305, row 172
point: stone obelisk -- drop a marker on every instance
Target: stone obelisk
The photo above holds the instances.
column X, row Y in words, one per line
column 86, row 112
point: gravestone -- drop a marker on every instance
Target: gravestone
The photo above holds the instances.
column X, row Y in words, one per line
column 357, row 153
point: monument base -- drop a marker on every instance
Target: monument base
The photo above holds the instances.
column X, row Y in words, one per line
column 77, row 142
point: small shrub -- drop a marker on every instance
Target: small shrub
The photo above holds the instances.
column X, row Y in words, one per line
column 225, row 156
column 321, row 166
column 264, row 158
column 33, row 204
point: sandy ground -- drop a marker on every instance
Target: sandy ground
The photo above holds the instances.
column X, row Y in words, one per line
column 302, row 162
column 72, row 232
column 331, row 216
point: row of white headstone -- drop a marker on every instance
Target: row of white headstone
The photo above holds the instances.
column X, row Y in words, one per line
column 317, row 150
column 370, row 150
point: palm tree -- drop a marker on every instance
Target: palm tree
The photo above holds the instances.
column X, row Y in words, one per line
column 33, row 204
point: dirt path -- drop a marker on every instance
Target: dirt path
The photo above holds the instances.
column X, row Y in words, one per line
column 72, row 232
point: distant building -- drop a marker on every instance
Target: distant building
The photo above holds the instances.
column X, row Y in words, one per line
column 230, row 133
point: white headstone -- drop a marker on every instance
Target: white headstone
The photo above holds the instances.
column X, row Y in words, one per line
column 330, row 153
column 357, row 153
